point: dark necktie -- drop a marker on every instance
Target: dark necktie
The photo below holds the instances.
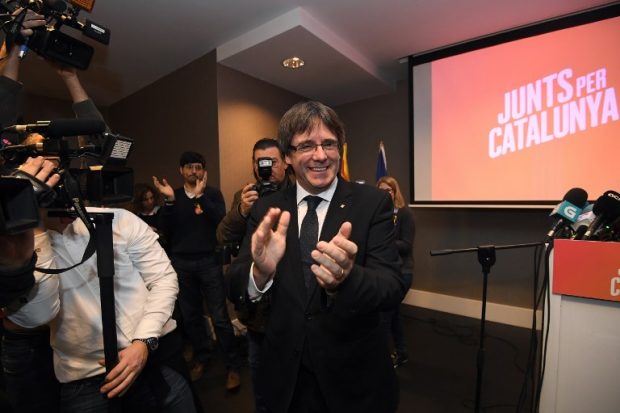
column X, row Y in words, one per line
column 309, row 236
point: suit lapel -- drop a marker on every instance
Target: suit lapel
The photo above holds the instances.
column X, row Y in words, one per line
column 337, row 212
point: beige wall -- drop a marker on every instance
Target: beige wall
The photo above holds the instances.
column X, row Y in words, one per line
column 172, row 115
column 248, row 109
column 367, row 122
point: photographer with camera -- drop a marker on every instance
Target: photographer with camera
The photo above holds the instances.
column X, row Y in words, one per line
column 270, row 171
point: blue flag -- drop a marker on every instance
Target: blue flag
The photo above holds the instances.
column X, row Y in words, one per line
column 381, row 163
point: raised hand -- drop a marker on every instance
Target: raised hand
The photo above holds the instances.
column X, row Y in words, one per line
column 201, row 184
column 164, row 188
column 268, row 245
column 334, row 259
column 248, row 197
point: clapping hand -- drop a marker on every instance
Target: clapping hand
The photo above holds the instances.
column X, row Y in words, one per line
column 164, row 188
column 334, row 259
column 268, row 245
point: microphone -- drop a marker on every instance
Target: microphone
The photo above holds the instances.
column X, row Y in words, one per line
column 47, row 147
column 568, row 210
column 607, row 209
column 614, row 231
column 61, row 127
column 23, row 49
column 583, row 222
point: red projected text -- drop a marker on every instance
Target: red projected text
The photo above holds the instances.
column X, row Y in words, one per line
column 551, row 108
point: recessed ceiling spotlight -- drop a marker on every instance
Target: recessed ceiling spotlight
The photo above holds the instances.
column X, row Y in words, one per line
column 293, row 63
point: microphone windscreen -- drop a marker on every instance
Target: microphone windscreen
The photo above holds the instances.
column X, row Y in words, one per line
column 585, row 218
column 608, row 204
column 73, row 127
column 579, row 232
column 55, row 5
column 577, row 197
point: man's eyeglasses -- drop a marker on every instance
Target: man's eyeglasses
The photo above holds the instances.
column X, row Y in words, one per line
column 307, row 147
column 193, row 167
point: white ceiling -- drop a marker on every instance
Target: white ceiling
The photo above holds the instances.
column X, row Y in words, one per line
column 352, row 48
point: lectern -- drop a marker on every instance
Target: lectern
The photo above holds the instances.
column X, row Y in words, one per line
column 583, row 350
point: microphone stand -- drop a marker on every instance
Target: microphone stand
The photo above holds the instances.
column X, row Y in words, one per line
column 486, row 258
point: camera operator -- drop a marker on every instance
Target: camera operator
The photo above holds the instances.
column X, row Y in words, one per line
column 9, row 66
column 26, row 352
column 16, row 251
column 17, row 256
column 231, row 230
column 151, row 373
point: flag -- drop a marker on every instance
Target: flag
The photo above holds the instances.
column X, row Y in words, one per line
column 344, row 164
column 381, row 162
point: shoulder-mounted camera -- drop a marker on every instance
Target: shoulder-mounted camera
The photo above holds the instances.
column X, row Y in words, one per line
column 49, row 41
column 92, row 168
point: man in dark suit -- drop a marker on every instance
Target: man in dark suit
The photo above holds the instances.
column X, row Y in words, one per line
column 324, row 349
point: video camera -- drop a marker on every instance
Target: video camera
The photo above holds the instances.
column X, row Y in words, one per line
column 264, row 186
column 48, row 41
column 100, row 176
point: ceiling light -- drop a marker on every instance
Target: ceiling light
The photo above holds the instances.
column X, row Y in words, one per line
column 293, row 63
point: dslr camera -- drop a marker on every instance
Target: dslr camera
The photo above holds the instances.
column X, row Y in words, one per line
column 263, row 185
column 49, row 41
column 93, row 171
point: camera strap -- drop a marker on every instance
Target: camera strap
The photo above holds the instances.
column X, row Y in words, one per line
column 73, row 191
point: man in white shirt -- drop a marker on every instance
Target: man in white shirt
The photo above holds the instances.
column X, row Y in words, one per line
column 150, row 374
column 145, row 287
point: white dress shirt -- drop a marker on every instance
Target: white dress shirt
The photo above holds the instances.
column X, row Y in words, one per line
column 42, row 302
column 145, row 289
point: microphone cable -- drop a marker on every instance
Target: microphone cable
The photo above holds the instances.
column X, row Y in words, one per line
column 529, row 374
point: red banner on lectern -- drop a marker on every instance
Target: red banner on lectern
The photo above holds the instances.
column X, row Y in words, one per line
column 587, row 269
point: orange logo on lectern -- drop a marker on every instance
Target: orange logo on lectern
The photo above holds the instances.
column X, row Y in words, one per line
column 587, row 269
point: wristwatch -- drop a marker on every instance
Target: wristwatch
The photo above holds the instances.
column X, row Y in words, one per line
column 152, row 343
